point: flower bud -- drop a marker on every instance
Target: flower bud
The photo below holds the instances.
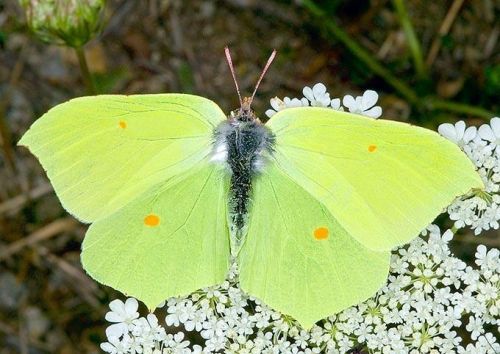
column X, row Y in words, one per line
column 65, row 22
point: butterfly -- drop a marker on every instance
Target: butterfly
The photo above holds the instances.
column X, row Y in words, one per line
column 308, row 204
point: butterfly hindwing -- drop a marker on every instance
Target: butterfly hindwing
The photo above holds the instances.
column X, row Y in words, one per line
column 383, row 181
column 298, row 259
column 169, row 242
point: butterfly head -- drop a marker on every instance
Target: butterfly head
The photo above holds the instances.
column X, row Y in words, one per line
column 245, row 113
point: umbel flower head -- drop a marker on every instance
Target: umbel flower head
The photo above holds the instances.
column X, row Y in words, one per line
column 66, row 22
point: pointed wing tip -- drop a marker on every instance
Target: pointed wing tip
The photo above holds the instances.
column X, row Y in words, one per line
column 151, row 304
column 307, row 324
column 23, row 140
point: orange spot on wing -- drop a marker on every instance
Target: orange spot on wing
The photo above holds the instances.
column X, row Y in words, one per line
column 122, row 124
column 321, row 233
column 372, row 148
column 152, row 220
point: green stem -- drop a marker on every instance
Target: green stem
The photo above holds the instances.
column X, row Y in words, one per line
column 362, row 54
column 376, row 67
column 440, row 104
column 411, row 37
column 84, row 69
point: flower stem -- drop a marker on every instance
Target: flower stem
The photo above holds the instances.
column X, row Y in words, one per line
column 361, row 53
column 411, row 37
column 376, row 67
column 440, row 104
column 84, row 69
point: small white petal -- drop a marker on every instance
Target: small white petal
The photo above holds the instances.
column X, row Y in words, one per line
column 369, row 99
column 324, row 101
column 270, row 112
column 292, row 102
column 460, row 129
column 114, row 317
column 495, row 126
column 447, row 235
column 481, row 251
column 276, row 103
column 359, row 101
column 375, row 112
column 349, row 101
column 189, row 326
column 117, row 306
column 335, row 103
column 152, row 319
column 116, row 330
column 319, row 89
column 448, row 131
column 470, row 134
column 107, row 347
column 131, row 306
column 486, row 133
column 308, row 93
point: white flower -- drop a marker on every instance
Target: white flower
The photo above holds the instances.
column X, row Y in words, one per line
column 317, row 95
column 116, row 346
column 336, row 104
column 295, row 102
column 176, row 341
column 475, row 327
column 418, row 306
column 195, row 322
column 364, row 105
column 122, row 314
column 457, row 133
column 489, row 343
column 489, row 261
column 278, row 105
column 480, row 210
column 491, row 132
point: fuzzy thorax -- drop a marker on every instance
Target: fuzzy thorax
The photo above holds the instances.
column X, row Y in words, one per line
column 244, row 145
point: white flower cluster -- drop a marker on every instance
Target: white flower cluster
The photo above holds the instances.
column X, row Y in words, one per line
column 432, row 303
column 317, row 96
column 430, row 295
column 481, row 209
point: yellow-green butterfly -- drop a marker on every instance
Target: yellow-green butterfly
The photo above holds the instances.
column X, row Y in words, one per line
column 310, row 204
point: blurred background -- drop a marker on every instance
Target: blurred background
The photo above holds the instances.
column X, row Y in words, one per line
column 430, row 61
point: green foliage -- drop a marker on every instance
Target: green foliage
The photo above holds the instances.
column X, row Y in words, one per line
column 492, row 76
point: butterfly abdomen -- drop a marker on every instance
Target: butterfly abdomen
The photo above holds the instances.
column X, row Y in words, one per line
column 243, row 146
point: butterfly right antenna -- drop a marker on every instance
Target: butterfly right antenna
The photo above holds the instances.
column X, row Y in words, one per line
column 268, row 64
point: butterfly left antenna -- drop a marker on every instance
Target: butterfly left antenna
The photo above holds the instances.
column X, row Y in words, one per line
column 230, row 63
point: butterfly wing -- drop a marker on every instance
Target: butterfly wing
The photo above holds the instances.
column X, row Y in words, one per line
column 169, row 242
column 136, row 166
column 101, row 152
column 298, row 259
column 383, row 181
